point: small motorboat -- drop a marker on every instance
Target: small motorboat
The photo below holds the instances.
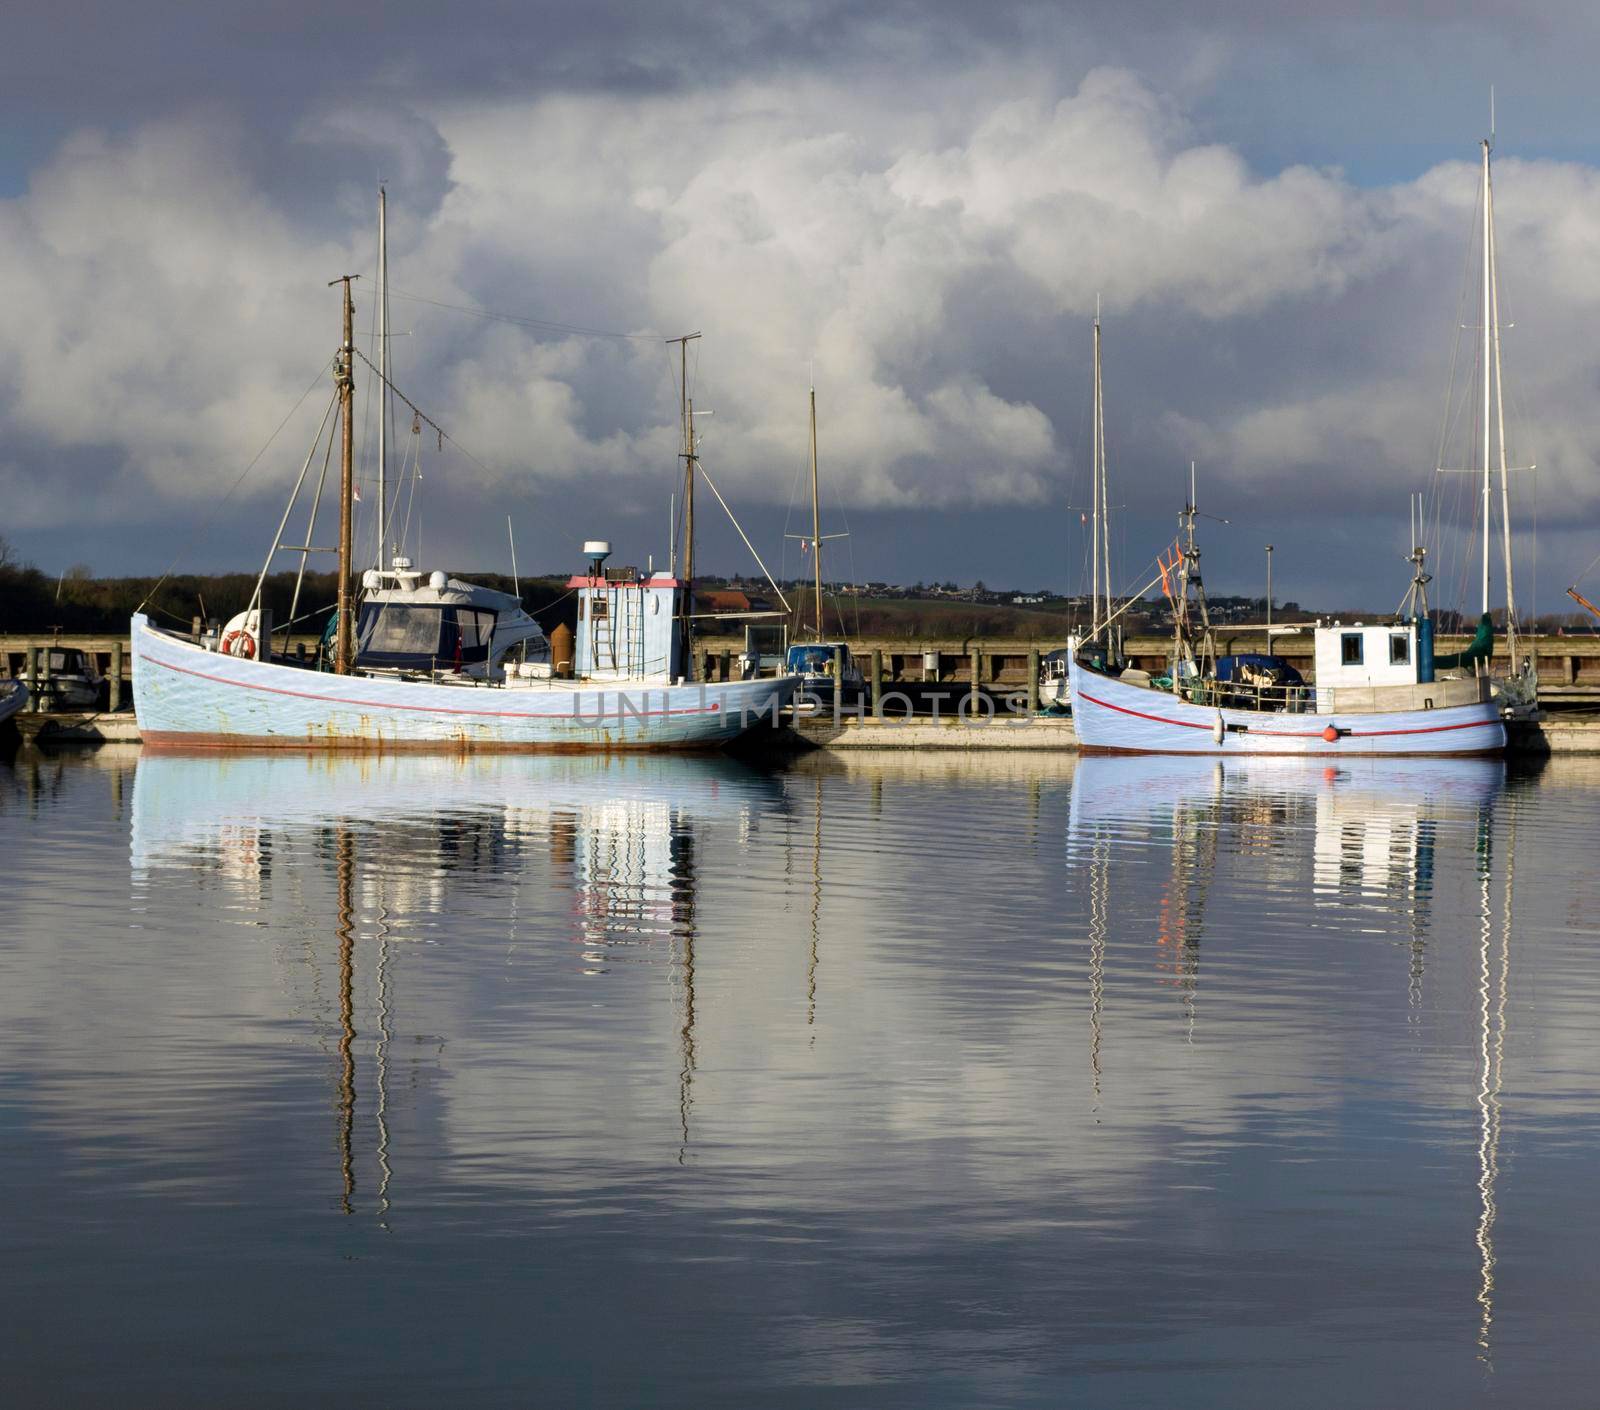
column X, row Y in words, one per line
column 68, row 680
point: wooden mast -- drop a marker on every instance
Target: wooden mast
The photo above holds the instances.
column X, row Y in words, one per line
column 816, row 517
column 686, row 413
column 344, row 638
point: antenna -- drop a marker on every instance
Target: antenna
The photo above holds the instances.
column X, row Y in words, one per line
column 1491, row 114
column 516, row 583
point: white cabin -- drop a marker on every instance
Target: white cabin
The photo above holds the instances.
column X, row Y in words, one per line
column 1363, row 667
column 628, row 625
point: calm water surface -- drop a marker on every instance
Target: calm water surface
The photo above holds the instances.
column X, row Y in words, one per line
column 903, row 1082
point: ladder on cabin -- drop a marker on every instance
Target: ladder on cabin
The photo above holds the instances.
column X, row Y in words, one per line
column 619, row 647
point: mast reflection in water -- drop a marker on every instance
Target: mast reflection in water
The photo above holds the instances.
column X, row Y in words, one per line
column 920, row 1080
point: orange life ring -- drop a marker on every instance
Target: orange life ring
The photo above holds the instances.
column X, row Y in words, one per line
column 238, row 643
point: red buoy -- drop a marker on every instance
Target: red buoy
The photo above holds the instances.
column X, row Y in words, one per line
column 1331, row 735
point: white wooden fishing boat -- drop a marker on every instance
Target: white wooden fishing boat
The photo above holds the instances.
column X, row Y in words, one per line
column 1380, row 688
column 187, row 696
column 1448, row 717
column 442, row 664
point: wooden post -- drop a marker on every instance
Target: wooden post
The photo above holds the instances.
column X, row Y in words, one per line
column 115, row 699
column 37, row 703
column 877, row 683
column 726, row 664
column 196, row 626
column 1033, row 680
column 930, row 666
column 977, row 667
column 44, row 681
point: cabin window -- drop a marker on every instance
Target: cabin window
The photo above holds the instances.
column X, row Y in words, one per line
column 395, row 630
column 1350, row 649
column 475, row 627
column 1399, row 650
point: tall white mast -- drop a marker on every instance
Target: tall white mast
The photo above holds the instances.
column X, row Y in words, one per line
column 383, row 374
column 1488, row 352
column 1094, row 491
column 1500, row 419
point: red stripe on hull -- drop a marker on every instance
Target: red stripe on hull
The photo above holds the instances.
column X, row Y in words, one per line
column 644, row 691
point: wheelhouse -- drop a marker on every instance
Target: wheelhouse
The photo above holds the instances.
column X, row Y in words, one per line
column 420, row 636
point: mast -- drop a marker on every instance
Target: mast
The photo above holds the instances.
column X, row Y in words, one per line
column 1105, row 507
column 816, row 516
column 1189, row 576
column 1500, row 418
column 343, row 649
column 1095, row 493
column 383, row 372
column 688, row 535
column 686, row 414
column 1487, row 353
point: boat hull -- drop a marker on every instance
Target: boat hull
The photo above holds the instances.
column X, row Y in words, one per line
column 1114, row 717
column 13, row 696
column 189, row 698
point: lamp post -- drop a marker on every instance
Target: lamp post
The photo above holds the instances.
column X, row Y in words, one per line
column 1269, row 599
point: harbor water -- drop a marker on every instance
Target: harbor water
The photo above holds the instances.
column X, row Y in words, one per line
column 870, row 1080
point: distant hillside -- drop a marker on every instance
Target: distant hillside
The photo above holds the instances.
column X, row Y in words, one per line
column 30, row 602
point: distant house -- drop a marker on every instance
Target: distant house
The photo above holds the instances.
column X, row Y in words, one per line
column 1027, row 599
column 722, row 600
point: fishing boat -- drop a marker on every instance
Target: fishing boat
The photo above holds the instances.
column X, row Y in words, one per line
column 1380, row 686
column 1379, row 689
column 427, row 663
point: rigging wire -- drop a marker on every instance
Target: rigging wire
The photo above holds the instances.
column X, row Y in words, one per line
column 205, row 524
column 524, row 321
column 443, row 436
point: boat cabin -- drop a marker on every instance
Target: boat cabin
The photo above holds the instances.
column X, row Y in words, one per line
column 628, row 622
column 407, row 623
column 1364, row 667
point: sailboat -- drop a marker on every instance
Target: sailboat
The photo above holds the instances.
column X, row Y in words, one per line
column 1380, row 687
column 426, row 662
column 827, row 672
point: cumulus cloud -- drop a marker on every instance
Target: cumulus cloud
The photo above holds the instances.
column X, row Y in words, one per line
column 167, row 303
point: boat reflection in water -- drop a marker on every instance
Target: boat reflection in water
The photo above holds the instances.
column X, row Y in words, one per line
column 410, row 842
column 1380, row 831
